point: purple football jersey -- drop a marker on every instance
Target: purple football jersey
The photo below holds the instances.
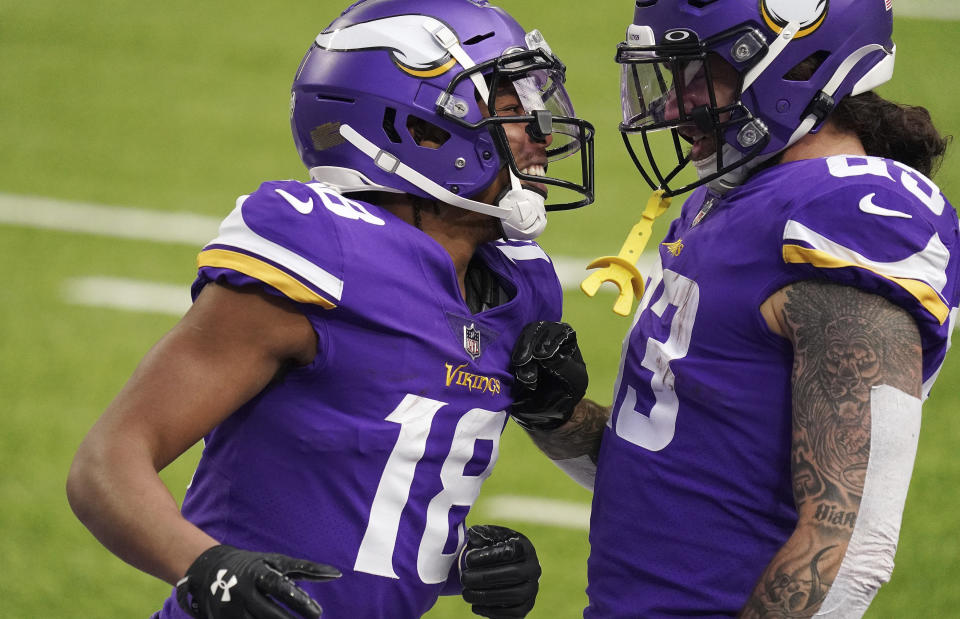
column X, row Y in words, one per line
column 693, row 495
column 368, row 458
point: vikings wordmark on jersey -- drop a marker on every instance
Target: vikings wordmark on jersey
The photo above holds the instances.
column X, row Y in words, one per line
column 370, row 457
column 696, row 417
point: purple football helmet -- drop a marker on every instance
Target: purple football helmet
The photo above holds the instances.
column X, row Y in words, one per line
column 667, row 50
column 386, row 65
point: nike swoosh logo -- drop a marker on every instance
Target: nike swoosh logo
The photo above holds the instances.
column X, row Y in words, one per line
column 867, row 206
column 303, row 206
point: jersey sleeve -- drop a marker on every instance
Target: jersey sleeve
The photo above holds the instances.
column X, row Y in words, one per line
column 884, row 228
column 282, row 237
column 879, row 238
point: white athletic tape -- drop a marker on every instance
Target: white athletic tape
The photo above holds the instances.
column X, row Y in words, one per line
column 581, row 469
column 868, row 563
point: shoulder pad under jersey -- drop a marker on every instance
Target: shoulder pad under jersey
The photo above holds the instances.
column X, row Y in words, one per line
column 536, row 271
column 287, row 235
column 875, row 224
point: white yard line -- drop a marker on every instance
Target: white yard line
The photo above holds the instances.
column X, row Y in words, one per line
column 572, row 271
column 550, row 512
column 113, row 221
column 127, row 294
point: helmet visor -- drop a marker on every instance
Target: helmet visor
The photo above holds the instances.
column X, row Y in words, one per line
column 526, row 89
column 690, row 98
column 651, row 89
column 538, row 82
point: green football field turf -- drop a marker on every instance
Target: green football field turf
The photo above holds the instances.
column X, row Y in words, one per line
column 180, row 107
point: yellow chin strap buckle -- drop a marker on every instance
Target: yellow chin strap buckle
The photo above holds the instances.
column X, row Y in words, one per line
column 621, row 269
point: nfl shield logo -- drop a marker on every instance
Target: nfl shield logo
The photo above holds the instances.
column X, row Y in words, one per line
column 471, row 340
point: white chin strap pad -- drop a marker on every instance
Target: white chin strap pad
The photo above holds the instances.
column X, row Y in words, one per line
column 527, row 217
column 521, row 210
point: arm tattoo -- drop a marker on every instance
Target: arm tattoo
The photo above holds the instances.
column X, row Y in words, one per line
column 580, row 436
column 795, row 589
column 845, row 342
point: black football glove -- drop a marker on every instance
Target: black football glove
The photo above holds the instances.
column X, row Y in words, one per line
column 499, row 572
column 551, row 377
column 228, row 583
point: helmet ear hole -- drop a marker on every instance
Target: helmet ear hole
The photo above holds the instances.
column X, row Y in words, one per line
column 426, row 134
column 805, row 69
column 390, row 125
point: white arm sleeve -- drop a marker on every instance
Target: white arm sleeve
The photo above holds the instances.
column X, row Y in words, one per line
column 868, row 563
column 580, row 469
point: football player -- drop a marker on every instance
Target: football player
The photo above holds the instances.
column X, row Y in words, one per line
column 346, row 358
column 757, row 454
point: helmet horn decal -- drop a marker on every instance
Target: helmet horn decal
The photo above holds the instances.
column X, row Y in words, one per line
column 411, row 46
column 809, row 13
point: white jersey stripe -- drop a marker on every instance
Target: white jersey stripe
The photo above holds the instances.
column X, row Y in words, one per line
column 234, row 232
column 928, row 265
column 523, row 252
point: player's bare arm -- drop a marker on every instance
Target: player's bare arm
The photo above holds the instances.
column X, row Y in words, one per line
column 579, row 436
column 846, row 342
column 228, row 346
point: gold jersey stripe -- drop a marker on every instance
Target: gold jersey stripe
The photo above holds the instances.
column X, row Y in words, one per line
column 921, row 291
column 266, row 273
column 430, row 72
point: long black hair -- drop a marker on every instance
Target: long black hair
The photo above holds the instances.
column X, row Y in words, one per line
column 905, row 133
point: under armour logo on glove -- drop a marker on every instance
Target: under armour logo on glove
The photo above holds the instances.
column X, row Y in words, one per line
column 228, row 583
column 226, row 586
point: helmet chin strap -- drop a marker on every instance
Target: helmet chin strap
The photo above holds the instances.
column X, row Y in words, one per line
column 520, row 210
